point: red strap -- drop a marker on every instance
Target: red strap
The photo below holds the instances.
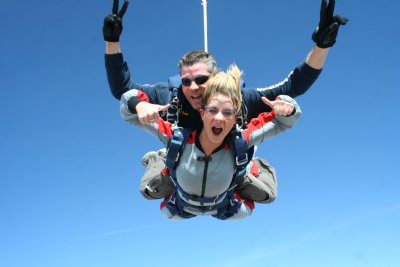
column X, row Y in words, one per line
column 254, row 170
column 248, row 203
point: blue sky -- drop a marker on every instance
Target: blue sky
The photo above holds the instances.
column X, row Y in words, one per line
column 70, row 167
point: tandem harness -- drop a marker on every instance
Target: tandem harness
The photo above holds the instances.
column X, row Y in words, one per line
column 225, row 204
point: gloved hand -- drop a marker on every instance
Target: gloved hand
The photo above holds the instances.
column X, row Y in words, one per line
column 112, row 27
column 326, row 32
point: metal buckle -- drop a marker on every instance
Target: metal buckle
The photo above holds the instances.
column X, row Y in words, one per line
column 243, row 161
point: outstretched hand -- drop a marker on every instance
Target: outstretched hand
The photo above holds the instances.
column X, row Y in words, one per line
column 326, row 32
column 280, row 107
column 112, row 27
column 149, row 113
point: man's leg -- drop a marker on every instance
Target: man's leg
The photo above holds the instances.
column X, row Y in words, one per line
column 259, row 183
column 153, row 184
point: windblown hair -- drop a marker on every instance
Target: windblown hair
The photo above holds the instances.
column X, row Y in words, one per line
column 198, row 56
column 226, row 83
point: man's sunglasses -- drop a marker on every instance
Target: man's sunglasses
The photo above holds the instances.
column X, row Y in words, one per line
column 199, row 80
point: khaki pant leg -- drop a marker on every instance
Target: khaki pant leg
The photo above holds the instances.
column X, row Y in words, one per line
column 261, row 188
column 153, row 184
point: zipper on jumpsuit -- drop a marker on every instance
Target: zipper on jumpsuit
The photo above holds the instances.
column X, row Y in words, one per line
column 206, row 159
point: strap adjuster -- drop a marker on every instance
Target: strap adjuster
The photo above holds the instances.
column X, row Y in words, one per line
column 243, row 161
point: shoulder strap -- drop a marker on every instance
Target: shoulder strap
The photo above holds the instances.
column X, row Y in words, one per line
column 239, row 148
column 242, row 119
column 174, row 84
column 172, row 112
column 242, row 154
column 175, row 147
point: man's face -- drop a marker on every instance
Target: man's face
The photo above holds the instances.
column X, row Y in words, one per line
column 194, row 92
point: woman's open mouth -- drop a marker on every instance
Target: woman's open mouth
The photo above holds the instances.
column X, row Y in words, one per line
column 216, row 130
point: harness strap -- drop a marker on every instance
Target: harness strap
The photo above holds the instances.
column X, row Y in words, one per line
column 224, row 210
column 175, row 148
column 203, row 200
column 242, row 156
column 174, row 83
column 172, row 112
column 239, row 147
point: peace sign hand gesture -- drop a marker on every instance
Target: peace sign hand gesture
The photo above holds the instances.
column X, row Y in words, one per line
column 112, row 27
column 326, row 32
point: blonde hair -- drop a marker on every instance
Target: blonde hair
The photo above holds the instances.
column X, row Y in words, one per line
column 226, row 83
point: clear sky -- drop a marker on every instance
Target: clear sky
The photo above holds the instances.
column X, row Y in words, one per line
column 70, row 166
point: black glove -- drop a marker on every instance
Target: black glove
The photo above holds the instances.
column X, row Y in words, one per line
column 112, row 27
column 325, row 34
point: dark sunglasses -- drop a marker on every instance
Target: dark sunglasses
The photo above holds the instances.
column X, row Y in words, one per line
column 199, row 80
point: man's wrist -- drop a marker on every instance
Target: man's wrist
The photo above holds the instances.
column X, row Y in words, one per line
column 316, row 57
column 113, row 48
